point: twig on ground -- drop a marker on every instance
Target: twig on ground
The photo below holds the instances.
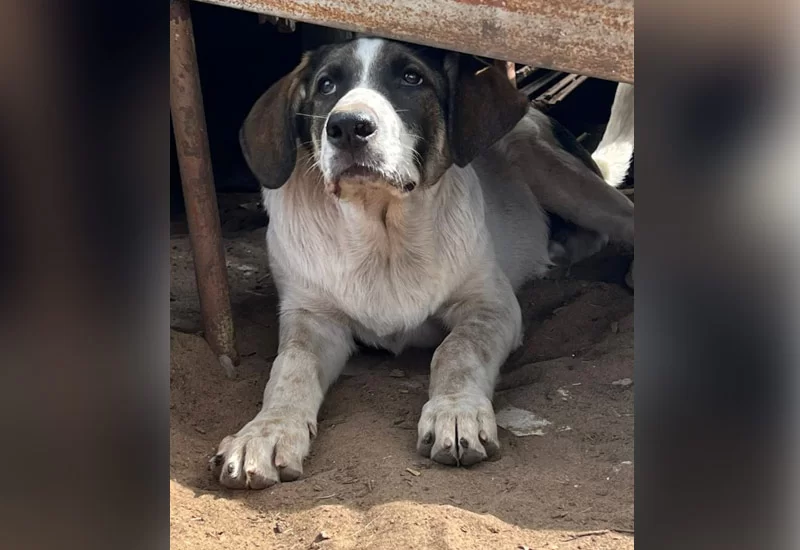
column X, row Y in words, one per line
column 575, row 536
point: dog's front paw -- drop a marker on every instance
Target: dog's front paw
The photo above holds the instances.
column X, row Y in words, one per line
column 270, row 448
column 458, row 429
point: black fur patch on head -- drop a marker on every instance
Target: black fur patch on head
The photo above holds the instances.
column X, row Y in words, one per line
column 421, row 107
column 453, row 111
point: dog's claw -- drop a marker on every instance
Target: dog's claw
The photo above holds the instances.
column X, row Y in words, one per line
column 266, row 451
column 458, row 429
column 444, row 456
column 215, row 465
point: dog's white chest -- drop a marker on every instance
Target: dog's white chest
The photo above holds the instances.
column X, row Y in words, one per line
column 388, row 274
column 386, row 281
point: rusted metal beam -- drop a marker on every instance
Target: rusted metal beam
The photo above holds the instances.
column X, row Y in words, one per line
column 191, row 140
column 588, row 37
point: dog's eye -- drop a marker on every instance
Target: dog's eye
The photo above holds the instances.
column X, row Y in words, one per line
column 412, row 78
column 326, row 86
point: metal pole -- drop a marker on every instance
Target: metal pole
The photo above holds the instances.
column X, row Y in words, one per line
column 191, row 140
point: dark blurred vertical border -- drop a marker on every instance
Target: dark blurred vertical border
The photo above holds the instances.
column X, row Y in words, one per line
column 718, row 142
column 84, row 354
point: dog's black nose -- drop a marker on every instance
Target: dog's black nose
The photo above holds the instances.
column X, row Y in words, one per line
column 350, row 129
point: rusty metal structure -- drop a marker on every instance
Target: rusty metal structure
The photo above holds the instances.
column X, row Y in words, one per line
column 585, row 37
column 588, row 37
column 191, row 139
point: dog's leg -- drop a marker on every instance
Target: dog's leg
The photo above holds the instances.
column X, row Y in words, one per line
column 457, row 425
column 565, row 184
column 569, row 243
column 599, row 209
column 579, row 195
column 613, row 154
column 312, row 352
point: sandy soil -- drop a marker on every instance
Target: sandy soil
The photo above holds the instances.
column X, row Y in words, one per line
column 357, row 492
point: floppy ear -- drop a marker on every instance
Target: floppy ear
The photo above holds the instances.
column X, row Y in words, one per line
column 268, row 137
column 483, row 106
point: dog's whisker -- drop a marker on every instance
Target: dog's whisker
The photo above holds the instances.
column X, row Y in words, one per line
column 310, row 164
column 411, row 150
column 311, row 116
column 313, row 165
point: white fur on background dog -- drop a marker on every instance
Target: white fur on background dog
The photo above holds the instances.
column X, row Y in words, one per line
column 613, row 154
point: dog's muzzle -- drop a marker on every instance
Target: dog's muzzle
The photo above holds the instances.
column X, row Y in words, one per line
column 364, row 141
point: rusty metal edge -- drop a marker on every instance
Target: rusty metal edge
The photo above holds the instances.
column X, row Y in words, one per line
column 587, row 37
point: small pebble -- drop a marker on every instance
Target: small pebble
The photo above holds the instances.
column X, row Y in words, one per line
column 624, row 382
column 397, row 373
column 322, row 536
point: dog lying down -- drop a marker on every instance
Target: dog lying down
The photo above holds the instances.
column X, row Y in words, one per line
column 406, row 189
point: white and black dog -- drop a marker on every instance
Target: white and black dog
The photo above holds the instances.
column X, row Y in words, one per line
column 406, row 189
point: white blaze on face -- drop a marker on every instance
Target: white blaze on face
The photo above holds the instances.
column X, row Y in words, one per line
column 367, row 53
column 391, row 149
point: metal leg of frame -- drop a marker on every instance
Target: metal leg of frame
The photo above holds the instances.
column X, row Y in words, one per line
column 191, row 139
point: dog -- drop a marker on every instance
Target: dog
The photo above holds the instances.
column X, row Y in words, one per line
column 615, row 150
column 407, row 190
column 611, row 159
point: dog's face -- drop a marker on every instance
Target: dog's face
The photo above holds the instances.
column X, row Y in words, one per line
column 379, row 113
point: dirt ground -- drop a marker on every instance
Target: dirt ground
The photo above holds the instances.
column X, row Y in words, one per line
column 364, row 486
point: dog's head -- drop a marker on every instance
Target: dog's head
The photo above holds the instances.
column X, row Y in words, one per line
column 379, row 112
